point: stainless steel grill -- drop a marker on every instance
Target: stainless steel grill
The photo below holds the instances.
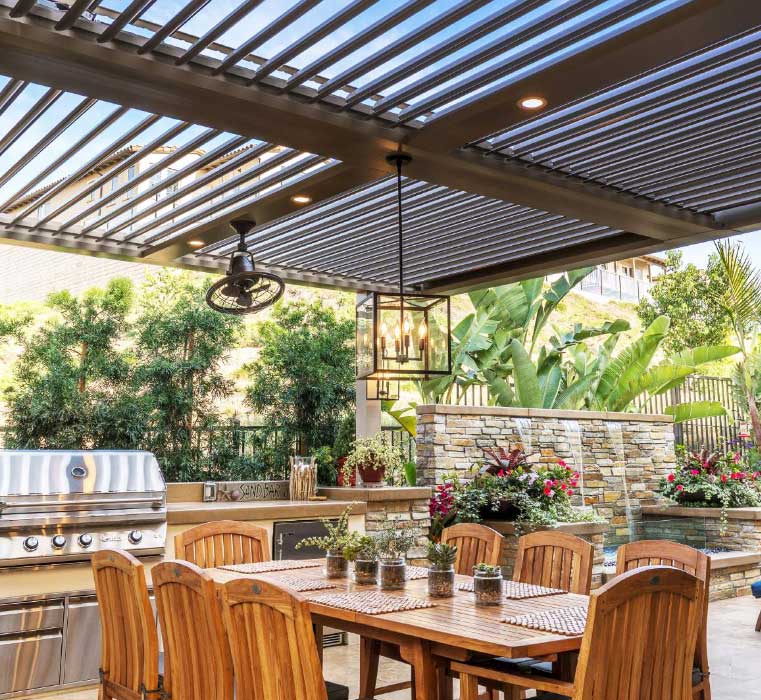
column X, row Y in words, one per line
column 60, row 506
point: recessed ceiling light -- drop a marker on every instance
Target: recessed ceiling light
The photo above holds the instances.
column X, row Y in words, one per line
column 301, row 199
column 195, row 243
column 532, row 103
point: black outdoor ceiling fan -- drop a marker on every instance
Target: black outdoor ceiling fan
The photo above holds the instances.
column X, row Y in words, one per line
column 244, row 289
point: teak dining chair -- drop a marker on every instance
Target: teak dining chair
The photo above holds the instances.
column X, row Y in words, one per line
column 197, row 663
column 223, row 543
column 681, row 556
column 555, row 560
column 129, row 668
column 639, row 643
column 476, row 544
column 272, row 644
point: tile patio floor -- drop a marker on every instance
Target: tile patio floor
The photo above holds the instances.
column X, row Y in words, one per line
column 734, row 646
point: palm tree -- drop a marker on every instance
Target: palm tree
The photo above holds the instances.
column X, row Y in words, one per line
column 742, row 303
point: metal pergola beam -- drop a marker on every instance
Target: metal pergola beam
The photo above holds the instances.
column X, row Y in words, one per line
column 77, row 62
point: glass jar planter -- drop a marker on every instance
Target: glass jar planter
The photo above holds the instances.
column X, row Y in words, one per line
column 366, row 571
column 336, row 565
column 441, row 582
column 487, row 587
column 393, row 574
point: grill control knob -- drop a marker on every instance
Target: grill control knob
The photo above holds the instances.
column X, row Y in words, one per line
column 31, row 543
column 135, row 537
column 85, row 540
column 59, row 542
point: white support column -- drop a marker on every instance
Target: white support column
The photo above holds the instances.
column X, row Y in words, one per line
column 368, row 412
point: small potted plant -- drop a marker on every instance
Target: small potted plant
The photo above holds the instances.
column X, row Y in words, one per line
column 441, row 571
column 393, row 543
column 487, row 584
column 363, row 552
column 334, row 544
column 373, row 458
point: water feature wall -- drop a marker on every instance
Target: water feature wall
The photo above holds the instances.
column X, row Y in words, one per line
column 621, row 456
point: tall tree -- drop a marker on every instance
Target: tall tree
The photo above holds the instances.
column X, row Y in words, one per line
column 690, row 297
column 303, row 380
column 69, row 387
column 180, row 345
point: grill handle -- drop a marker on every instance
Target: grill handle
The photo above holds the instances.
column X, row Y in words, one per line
column 155, row 503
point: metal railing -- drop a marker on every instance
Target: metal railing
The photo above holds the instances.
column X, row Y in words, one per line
column 614, row 286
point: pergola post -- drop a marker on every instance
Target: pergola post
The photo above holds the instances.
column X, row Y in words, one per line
column 368, row 412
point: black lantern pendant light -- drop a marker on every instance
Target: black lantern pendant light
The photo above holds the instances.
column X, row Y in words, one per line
column 404, row 335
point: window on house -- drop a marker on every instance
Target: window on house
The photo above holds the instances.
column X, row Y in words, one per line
column 114, row 182
column 131, row 172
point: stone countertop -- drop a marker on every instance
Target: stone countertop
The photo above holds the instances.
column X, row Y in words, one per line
column 674, row 511
column 384, row 493
column 193, row 512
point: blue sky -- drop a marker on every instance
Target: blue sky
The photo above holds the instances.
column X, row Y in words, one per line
column 698, row 254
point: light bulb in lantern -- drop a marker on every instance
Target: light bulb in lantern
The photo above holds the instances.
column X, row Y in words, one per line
column 422, row 331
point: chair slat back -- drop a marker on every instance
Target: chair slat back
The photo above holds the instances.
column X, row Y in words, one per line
column 273, row 645
column 130, row 650
column 197, row 663
column 222, row 543
column 680, row 556
column 476, row 544
column 640, row 637
column 555, row 560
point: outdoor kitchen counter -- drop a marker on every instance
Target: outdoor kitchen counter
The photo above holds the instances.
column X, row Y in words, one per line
column 194, row 512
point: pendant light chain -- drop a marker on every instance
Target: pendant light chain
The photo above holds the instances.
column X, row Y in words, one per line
column 399, row 214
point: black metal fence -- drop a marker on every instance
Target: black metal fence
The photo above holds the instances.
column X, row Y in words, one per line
column 712, row 433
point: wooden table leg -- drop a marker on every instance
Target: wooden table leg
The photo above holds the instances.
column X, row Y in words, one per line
column 368, row 663
column 417, row 653
column 318, row 639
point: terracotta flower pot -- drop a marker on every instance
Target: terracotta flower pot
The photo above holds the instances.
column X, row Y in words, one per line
column 340, row 478
column 506, row 510
column 372, row 476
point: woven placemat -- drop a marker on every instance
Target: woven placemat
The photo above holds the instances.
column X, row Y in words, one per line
column 371, row 602
column 263, row 567
column 568, row 621
column 416, row 572
column 516, row 590
column 304, row 583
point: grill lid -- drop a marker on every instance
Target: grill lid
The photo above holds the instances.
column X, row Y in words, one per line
column 70, row 472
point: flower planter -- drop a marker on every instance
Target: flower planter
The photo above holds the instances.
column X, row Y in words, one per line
column 335, row 565
column 506, row 510
column 393, row 574
column 340, row 477
column 487, row 588
column 372, row 476
column 696, row 497
column 441, row 582
column 366, row 571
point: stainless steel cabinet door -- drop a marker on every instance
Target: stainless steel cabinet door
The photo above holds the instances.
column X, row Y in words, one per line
column 31, row 661
column 82, row 654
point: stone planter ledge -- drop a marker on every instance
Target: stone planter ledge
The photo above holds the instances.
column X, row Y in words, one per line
column 583, row 528
column 379, row 493
column 674, row 511
column 438, row 409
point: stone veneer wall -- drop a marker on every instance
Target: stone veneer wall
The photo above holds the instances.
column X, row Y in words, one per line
column 591, row 532
column 405, row 505
column 621, row 453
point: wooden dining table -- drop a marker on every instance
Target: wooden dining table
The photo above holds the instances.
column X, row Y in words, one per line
column 455, row 628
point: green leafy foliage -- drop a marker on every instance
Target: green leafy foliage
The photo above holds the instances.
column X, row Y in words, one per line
column 180, row 344
column 689, row 297
column 442, row 556
column 68, row 385
column 303, row 380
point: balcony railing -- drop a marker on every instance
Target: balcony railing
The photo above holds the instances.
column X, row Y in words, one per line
column 614, row 286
